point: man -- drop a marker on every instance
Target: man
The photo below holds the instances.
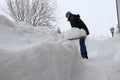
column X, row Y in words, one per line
column 75, row 21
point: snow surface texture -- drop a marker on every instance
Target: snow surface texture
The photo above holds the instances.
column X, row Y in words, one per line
column 29, row 53
column 39, row 53
column 74, row 33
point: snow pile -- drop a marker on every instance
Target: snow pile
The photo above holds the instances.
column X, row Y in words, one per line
column 74, row 33
column 104, row 59
column 110, row 50
column 44, row 62
column 39, row 53
column 28, row 53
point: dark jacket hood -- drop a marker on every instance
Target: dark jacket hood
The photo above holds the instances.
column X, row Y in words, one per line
column 74, row 15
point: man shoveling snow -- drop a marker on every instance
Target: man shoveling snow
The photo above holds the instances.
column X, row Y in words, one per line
column 76, row 22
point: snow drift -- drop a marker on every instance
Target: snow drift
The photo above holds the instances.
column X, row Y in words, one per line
column 28, row 53
column 39, row 53
column 44, row 62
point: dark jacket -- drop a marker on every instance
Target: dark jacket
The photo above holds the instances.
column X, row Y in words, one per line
column 75, row 21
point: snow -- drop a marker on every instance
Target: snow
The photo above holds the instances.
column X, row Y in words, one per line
column 31, row 53
column 40, row 53
column 74, row 33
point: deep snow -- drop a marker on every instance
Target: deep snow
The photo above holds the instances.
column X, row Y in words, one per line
column 30, row 53
column 39, row 53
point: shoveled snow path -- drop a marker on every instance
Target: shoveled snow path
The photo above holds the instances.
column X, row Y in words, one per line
column 97, row 69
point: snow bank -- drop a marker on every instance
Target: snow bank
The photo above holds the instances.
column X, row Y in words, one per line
column 47, row 61
column 19, row 35
column 109, row 49
column 28, row 53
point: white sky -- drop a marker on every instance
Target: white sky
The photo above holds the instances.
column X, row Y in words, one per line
column 99, row 15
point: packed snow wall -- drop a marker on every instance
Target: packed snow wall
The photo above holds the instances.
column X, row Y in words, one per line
column 28, row 53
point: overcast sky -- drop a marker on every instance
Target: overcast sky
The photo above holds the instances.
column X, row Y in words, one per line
column 99, row 15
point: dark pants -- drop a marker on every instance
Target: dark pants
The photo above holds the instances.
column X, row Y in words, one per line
column 83, row 48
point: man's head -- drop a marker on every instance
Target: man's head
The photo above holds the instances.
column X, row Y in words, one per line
column 68, row 14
